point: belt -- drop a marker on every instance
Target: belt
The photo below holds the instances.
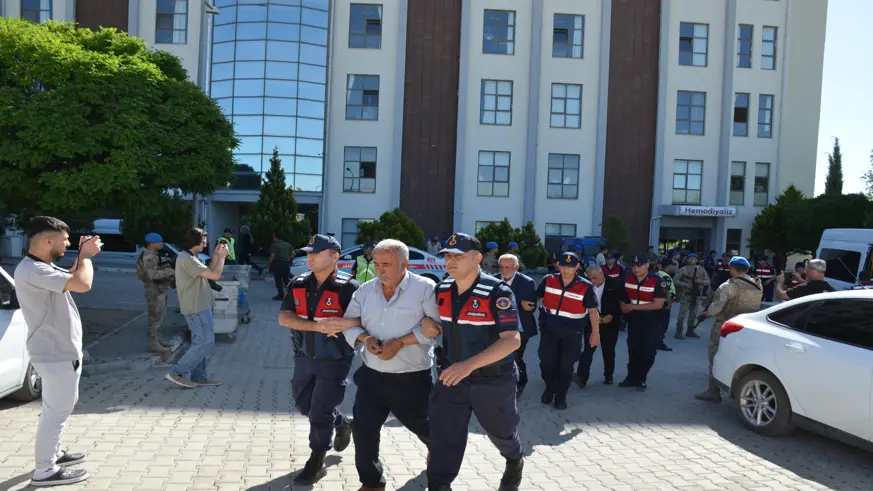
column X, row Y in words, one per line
column 494, row 369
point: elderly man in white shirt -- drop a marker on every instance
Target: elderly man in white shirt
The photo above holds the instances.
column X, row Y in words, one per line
column 395, row 317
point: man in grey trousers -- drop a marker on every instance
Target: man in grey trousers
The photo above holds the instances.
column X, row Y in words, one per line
column 54, row 339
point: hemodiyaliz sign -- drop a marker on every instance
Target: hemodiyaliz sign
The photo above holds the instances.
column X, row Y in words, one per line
column 707, row 211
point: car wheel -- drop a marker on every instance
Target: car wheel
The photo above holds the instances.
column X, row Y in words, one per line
column 32, row 388
column 432, row 278
column 762, row 404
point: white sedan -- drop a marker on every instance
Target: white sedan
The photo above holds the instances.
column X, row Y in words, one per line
column 806, row 362
column 420, row 262
column 18, row 379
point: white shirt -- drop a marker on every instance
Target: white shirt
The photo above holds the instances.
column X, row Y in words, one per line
column 598, row 292
column 601, row 260
column 509, row 281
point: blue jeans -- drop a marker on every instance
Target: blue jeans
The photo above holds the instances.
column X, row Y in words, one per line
column 202, row 343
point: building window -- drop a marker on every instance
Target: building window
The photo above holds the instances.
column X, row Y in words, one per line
column 365, row 26
column 693, row 39
column 738, row 183
column 566, row 106
column 37, row 11
column 493, row 174
column 741, row 114
column 687, row 176
column 768, row 48
column 744, row 46
column 734, row 240
column 481, row 225
column 563, row 176
column 690, row 113
column 359, row 170
column 350, row 231
column 560, row 230
column 362, row 99
column 568, row 38
column 498, row 36
column 762, row 184
column 765, row 116
column 171, row 22
column 496, row 102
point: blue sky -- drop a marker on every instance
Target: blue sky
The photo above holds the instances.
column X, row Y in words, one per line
column 847, row 92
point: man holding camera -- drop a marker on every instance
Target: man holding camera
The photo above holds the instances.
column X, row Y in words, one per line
column 54, row 339
column 157, row 276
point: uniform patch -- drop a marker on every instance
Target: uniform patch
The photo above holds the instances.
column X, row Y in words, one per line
column 475, row 304
column 329, row 301
column 663, row 284
column 296, row 302
column 503, row 303
column 507, row 318
column 453, row 240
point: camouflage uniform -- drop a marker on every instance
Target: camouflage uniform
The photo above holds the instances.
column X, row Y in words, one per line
column 739, row 295
column 157, row 278
column 489, row 263
column 688, row 297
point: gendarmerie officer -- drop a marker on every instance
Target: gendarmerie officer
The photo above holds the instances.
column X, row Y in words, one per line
column 568, row 300
column 477, row 372
column 646, row 294
column 767, row 274
column 612, row 269
column 323, row 358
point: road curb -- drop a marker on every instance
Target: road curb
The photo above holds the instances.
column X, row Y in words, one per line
column 116, row 330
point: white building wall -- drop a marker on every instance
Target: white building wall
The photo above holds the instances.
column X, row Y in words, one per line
column 62, row 10
column 381, row 134
column 513, row 139
column 583, row 141
column 188, row 53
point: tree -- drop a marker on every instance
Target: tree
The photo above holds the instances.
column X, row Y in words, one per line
column 616, row 234
column 533, row 253
column 169, row 214
column 806, row 223
column 834, row 181
column 868, row 179
column 394, row 224
column 275, row 212
column 96, row 123
column 502, row 233
column 771, row 229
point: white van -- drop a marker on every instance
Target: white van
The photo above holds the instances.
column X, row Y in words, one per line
column 848, row 253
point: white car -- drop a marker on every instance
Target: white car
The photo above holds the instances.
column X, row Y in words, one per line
column 420, row 262
column 18, row 379
column 806, row 362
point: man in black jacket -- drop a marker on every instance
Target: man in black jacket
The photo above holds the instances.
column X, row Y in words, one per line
column 525, row 290
column 609, row 293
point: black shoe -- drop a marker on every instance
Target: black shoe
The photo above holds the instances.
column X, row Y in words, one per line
column 629, row 383
column 608, row 381
column 547, row 397
column 313, row 471
column 664, row 347
column 279, row 297
column 61, row 477
column 642, row 387
column 578, row 381
column 691, row 334
column 439, row 487
column 71, row 458
column 343, row 435
column 560, row 404
column 511, row 479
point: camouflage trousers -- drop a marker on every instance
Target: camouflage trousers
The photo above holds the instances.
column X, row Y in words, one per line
column 156, row 300
column 714, row 338
column 687, row 311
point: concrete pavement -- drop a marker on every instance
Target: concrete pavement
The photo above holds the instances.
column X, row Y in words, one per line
column 144, row 434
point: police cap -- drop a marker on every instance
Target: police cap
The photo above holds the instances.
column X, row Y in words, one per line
column 569, row 259
column 460, row 243
column 740, row 261
column 320, row 243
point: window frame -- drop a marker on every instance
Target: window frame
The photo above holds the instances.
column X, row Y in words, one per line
column 750, row 40
column 742, row 181
column 699, row 190
column 493, row 166
column 364, row 92
column 769, row 111
column 802, row 321
column 570, row 45
column 343, row 233
column 497, row 95
column 766, row 191
column 839, row 265
column 506, row 33
column 566, row 100
column 748, row 108
column 563, row 169
column 481, row 224
column 733, row 245
column 173, row 15
column 561, row 234
column 766, row 42
column 690, row 121
column 360, row 161
column 24, row 11
column 692, row 40
column 365, row 36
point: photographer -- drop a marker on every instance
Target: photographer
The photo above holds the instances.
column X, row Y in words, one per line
column 157, row 276
column 54, row 338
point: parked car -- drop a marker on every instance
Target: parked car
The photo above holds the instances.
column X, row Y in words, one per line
column 18, row 379
column 420, row 262
column 807, row 362
column 849, row 256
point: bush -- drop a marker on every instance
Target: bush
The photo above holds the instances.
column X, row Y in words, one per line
column 394, row 224
column 616, row 234
column 533, row 253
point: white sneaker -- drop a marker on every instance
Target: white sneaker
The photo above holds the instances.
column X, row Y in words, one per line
column 61, row 477
column 180, row 380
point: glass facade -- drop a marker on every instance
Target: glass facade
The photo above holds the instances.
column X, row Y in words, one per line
column 269, row 76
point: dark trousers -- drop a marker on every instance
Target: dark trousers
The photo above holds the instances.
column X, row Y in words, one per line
column 492, row 400
column 519, row 361
column 282, row 274
column 406, row 395
column 318, row 388
column 768, row 292
column 643, row 339
column 247, row 259
column 664, row 319
column 608, row 340
column 559, row 350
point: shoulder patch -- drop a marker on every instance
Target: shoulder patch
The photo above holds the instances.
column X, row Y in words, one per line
column 663, row 284
column 503, row 303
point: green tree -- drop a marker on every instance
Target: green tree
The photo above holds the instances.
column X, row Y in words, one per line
column 868, row 179
column 834, row 181
column 169, row 214
column 806, row 223
column 771, row 229
column 275, row 212
column 616, row 234
column 96, row 122
column 500, row 232
column 533, row 253
column 394, row 224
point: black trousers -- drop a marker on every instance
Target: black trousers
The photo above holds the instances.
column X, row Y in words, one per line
column 282, row 274
column 664, row 319
column 318, row 388
column 559, row 350
column 768, row 292
column 519, row 360
column 643, row 338
column 247, row 259
column 608, row 340
column 492, row 400
column 406, row 396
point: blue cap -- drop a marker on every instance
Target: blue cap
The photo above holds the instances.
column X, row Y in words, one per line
column 461, row 243
column 692, row 255
column 320, row 243
column 513, row 244
column 569, row 259
column 153, row 238
column 491, row 245
column 639, row 259
column 741, row 261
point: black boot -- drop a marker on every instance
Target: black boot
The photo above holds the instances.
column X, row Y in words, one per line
column 343, row 435
column 313, row 471
column 439, row 487
column 511, row 479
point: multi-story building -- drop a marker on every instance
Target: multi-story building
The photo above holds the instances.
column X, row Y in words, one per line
column 681, row 117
